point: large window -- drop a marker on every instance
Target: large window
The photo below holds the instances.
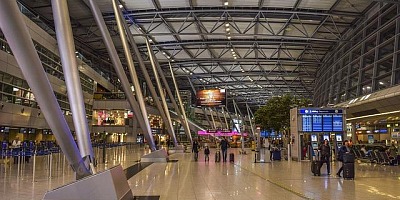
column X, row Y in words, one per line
column 15, row 90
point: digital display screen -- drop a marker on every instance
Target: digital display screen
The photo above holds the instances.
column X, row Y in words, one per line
column 211, row 98
column 314, row 138
column 315, row 145
column 317, row 123
column 326, row 137
column 337, row 122
column 307, row 125
column 327, row 123
column 322, row 120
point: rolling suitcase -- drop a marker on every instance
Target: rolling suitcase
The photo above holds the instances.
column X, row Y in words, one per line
column 231, row 157
column 348, row 170
column 276, row 155
column 217, row 156
column 316, row 164
column 315, row 168
column 348, row 158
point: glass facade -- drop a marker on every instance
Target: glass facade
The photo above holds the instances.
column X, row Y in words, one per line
column 367, row 61
column 15, row 90
column 52, row 64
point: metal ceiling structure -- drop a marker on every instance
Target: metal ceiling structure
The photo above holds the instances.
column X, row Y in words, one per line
column 255, row 49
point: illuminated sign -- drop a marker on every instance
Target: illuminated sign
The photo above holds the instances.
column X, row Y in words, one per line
column 211, row 98
column 321, row 120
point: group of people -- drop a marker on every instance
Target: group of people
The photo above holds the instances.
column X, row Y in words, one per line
column 325, row 154
column 223, row 144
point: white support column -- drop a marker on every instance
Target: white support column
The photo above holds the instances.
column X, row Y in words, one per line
column 120, row 71
column 14, row 28
column 131, row 67
column 66, row 48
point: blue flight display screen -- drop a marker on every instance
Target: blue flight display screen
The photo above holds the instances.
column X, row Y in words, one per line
column 327, row 123
column 337, row 122
column 317, row 123
column 307, row 125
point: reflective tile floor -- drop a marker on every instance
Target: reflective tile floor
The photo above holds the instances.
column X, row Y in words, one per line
column 190, row 180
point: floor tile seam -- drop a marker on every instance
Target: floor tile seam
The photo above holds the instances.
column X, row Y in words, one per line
column 276, row 183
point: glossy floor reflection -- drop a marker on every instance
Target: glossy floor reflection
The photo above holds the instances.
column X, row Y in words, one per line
column 24, row 184
column 245, row 179
column 189, row 180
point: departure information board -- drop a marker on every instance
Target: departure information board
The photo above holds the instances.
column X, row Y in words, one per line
column 307, row 124
column 321, row 120
column 337, row 122
column 317, row 123
column 327, row 123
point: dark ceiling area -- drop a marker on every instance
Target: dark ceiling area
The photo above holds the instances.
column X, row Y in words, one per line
column 255, row 49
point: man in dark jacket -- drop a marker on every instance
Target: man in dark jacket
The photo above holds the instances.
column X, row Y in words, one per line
column 224, row 147
column 343, row 149
column 325, row 151
column 195, row 149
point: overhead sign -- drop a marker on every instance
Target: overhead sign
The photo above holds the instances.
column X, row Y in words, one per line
column 321, row 120
column 321, row 111
column 215, row 97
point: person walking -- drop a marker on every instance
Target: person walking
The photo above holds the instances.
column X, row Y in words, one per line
column 206, row 154
column 224, row 147
column 343, row 149
column 195, row 149
column 325, row 156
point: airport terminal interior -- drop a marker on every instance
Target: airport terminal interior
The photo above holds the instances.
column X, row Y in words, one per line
column 199, row 99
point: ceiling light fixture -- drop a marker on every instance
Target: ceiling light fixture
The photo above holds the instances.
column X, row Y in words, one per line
column 226, row 3
column 227, row 29
column 229, row 37
column 121, row 6
column 227, row 24
column 163, row 53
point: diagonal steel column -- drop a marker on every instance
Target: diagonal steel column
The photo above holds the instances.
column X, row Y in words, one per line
column 66, row 47
column 226, row 121
column 171, row 95
column 161, row 92
column 120, row 72
column 212, row 118
column 219, row 119
column 180, row 102
column 251, row 123
column 206, row 116
column 240, row 117
column 13, row 26
column 131, row 65
column 148, row 81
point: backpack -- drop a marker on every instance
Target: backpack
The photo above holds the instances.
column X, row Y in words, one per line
column 340, row 154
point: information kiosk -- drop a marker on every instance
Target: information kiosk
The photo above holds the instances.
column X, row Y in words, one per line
column 311, row 126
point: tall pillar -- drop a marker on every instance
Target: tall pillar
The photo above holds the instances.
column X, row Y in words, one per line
column 171, row 95
column 161, row 92
column 66, row 47
column 180, row 102
column 226, row 121
column 131, row 67
column 14, row 28
column 120, row 71
column 149, row 82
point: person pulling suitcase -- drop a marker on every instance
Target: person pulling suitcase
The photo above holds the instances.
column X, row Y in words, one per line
column 347, row 161
column 325, row 151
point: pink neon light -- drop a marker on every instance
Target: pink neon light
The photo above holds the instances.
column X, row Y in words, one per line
column 220, row 133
